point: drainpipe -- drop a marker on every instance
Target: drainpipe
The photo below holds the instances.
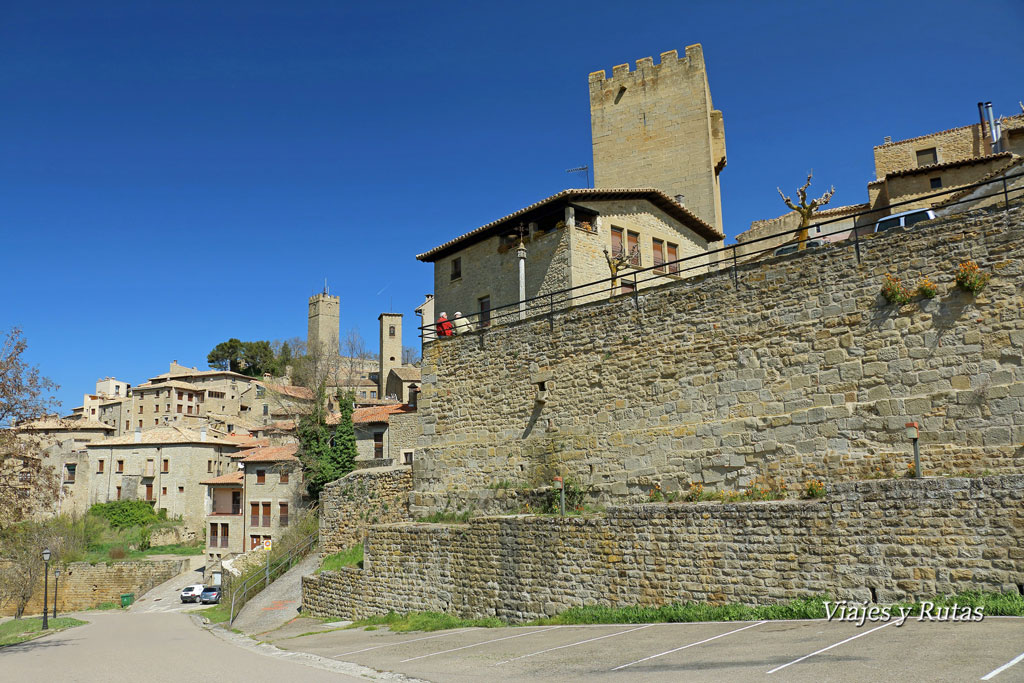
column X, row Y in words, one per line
column 521, row 253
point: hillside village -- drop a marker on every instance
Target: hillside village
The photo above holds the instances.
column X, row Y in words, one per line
column 701, row 406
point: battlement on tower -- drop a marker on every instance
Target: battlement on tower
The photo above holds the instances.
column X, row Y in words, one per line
column 646, row 68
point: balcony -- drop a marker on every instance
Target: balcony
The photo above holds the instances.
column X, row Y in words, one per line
column 234, row 510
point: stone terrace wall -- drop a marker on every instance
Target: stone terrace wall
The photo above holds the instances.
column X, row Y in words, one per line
column 361, row 498
column 83, row 585
column 906, row 539
column 800, row 370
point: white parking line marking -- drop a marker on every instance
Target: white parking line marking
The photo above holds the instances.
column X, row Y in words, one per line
column 1004, row 667
column 377, row 647
column 562, row 647
column 699, row 642
column 826, row 649
column 466, row 647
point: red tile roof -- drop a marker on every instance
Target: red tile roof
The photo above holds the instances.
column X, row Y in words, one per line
column 230, row 478
column 375, row 414
column 269, row 454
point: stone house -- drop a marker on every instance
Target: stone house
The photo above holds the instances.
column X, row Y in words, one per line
column 403, row 384
column 254, row 502
column 374, row 439
column 566, row 236
column 163, row 466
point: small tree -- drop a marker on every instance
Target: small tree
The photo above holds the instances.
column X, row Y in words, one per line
column 619, row 260
column 806, row 209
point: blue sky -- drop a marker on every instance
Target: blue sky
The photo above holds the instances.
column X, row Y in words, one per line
column 174, row 174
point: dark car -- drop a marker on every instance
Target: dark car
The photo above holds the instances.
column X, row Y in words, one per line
column 210, row 594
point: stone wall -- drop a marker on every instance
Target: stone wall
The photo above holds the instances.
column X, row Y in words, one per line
column 883, row 541
column 403, row 435
column 361, row 498
column 795, row 369
column 82, row 585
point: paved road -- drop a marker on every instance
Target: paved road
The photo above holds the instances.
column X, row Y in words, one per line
column 730, row 651
column 157, row 647
column 167, row 596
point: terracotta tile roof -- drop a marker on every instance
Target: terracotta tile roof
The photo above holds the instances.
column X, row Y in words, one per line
column 230, row 478
column 407, row 373
column 162, row 435
column 655, row 196
column 375, row 414
column 1005, row 121
column 269, row 454
column 984, row 189
column 169, row 384
column 63, row 424
column 838, row 210
column 289, row 390
column 279, row 426
column 358, row 382
column 948, row 164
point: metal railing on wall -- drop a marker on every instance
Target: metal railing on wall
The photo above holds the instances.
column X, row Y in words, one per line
column 724, row 258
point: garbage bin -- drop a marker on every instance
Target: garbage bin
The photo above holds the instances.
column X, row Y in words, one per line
column 127, row 599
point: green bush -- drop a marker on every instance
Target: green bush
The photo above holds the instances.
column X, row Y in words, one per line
column 350, row 557
column 125, row 513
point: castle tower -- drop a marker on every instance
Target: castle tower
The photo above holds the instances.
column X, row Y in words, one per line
column 390, row 348
column 656, row 127
column 324, row 322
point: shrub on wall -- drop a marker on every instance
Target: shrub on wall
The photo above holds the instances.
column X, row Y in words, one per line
column 970, row 278
column 125, row 513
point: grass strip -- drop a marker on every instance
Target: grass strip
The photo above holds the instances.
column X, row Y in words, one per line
column 425, row 621
column 19, row 630
column 217, row 614
column 350, row 557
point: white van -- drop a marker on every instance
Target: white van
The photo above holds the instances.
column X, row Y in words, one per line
column 904, row 220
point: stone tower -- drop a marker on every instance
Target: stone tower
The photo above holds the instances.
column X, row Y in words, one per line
column 390, row 347
column 324, row 322
column 656, row 127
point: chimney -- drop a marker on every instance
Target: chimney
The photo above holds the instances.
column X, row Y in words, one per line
column 202, row 433
column 888, row 139
column 680, row 198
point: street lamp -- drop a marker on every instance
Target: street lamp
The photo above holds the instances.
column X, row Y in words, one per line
column 56, row 575
column 46, row 586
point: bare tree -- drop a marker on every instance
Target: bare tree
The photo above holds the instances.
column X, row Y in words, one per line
column 410, row 355
column 25, row 483
column 619, row 260
column 806, row 209
column 355, row 357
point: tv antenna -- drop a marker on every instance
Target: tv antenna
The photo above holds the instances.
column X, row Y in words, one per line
column 581, row 169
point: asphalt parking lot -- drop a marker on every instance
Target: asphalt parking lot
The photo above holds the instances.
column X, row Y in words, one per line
column 810, row 650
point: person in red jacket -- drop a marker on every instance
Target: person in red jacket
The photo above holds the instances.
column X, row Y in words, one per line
column 444, row 325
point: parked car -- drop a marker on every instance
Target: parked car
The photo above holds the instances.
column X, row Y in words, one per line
column 211, row 594
column 191, row 593
column 904, row 220
column 795, row 247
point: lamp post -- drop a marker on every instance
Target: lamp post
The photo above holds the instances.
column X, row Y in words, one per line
column 56, row 576
column 46, row 586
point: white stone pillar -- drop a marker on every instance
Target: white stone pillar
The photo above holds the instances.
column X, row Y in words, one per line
column 521, row 253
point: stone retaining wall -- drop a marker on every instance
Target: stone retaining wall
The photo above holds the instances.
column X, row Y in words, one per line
column 796, row 368
column 361, row 498
column 884, row 540
column 82, row 585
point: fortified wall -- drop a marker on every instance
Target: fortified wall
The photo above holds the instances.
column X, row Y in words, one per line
column 879, row 541
column 82, row 585
column 794, row 367
column 371, row 496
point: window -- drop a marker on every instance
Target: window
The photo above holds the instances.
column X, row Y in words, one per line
column 69, row 474
column 156, row 422
column 283, row 514
column 373, row 394
column 936, row 183
column 633, row 245
column 926, row 157
column 213, row 536
column 163, row 490
column 99, row 467
column 261, row 476
column 254, row 514
column 224, row 535
column 190, row 397
column 284, row 478
column 485, row 311
column 391, row 333
column 254, row 542
column 266, row 409
column 406, row 457
column 658, row 247
column 362, row 394
column 119, row 493
column 673, row 254
column 181, row 489
column 179, row 408
column 456, row 268
column 94, row 410
column 149, row 492
column 181, row 394
column 266, row 514
column 140, row 409
column 120, row 466
column 378, row 445
column 167, row 407
column 617, row 242
column 165, row 466
column 140, row 424
column 190, row 410
column 209, row 466
column 626, row 287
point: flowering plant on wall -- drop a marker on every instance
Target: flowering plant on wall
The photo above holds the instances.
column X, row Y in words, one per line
column 926, row 288
column 894, row 291
column 970, row 278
